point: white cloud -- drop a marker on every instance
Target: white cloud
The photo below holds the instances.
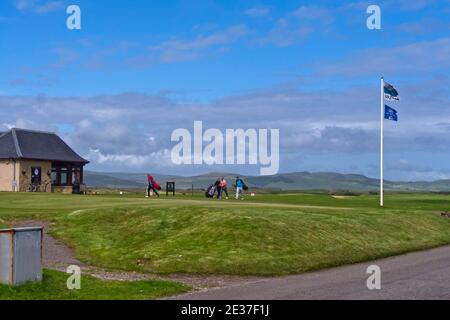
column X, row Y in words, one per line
column 182, row 50
column 416, row 57
column 424, row 26
column 285, row 34
column 407, row 5
column 66, row 56
column 132, row 131
column 38, row 6
column 311, row 12
column 298, row 25
column 258, row 12
column 134, row 161
column 8, row 126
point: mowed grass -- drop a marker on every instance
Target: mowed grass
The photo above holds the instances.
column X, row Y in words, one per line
column 264, row 235
column 53, row 287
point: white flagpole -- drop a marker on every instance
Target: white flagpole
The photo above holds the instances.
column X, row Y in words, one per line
column 381, row 141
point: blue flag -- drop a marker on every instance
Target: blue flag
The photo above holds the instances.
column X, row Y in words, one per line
column 390, row 93
column 390, row 113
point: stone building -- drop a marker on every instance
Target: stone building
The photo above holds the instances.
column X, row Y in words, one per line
column 39, row 161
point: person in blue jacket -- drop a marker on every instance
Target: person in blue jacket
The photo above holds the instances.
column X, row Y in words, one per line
column 239, row 188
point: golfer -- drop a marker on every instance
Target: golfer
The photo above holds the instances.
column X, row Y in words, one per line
column 239, row 188
column 218, row 188
column 151, row 185
column 223, row 187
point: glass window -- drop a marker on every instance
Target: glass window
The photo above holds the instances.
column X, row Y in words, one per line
column 54, row 176
column 66, row 176
column 63, row 178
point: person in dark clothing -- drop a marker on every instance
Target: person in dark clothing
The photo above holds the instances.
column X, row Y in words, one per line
column 151, row 186
column 219, row 190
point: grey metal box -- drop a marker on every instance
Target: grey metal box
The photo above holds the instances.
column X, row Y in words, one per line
column 20, row 255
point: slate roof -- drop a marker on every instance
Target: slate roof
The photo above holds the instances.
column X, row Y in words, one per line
column 36, row 145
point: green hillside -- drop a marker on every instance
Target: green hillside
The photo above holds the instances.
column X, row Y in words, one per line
column 283, row 181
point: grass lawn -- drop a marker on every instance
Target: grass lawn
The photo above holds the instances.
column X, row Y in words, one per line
column 264, row 235
column 53, row 287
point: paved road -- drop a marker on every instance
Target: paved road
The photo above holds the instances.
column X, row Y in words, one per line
column 420, row 275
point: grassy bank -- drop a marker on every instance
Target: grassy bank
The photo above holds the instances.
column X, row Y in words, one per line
column 53, row 287
column 272, row 234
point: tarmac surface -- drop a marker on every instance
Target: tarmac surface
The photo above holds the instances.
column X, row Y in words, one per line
column 418, row 275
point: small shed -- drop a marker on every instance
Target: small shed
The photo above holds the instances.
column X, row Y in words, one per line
column 20, row 255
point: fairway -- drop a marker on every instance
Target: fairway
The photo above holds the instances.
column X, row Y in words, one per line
column 269, row 235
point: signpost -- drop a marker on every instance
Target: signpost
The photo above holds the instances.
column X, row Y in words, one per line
column 170, row 187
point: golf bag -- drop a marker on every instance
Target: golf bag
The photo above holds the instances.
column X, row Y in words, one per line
column 209, row 193
column 156, row 185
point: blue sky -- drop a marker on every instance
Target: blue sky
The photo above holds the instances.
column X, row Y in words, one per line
column 139, row 69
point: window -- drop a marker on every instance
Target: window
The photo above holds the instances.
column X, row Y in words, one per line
column 60, row 176
column 54, row 177
column 64, row 174
column 64, row 180
column 76, row 175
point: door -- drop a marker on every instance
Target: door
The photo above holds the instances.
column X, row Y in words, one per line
column 28, row 256
column 36, row 175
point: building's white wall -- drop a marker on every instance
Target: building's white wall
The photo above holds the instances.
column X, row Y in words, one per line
column 7, row 175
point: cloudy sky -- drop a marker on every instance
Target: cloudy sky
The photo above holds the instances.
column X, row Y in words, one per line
column 137, row 70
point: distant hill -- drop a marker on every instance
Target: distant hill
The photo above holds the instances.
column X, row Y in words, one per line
column 283, row 181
